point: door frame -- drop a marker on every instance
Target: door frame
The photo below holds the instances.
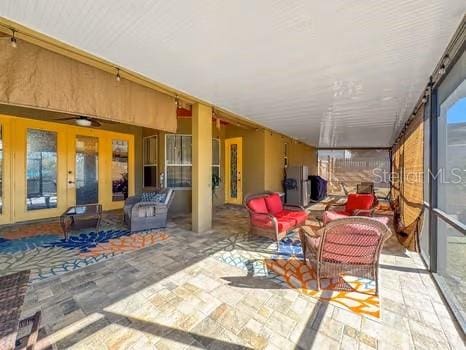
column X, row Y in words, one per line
column 14, row 167
column 239, row 184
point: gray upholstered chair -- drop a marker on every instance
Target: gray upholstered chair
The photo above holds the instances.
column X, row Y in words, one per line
column 142, row 214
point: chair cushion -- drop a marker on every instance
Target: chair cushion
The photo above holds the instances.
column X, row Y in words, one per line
column 264, row 222
column 258, row 205
column 329, row 216
column 153, row 197
column 299, row 217
column 274, row 203
column 359, row 201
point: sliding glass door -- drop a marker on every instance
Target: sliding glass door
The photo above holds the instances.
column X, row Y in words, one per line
column 448, row 227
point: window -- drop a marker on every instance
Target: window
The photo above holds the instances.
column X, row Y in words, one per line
column 178, row 162
column 216, row 157
column 119, row 170
column 150, row 161
column 41, row 169
column 452, row 154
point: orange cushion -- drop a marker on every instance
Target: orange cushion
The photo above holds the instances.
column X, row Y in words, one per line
column 258, row 205
column 359, row 201
column 274, row 203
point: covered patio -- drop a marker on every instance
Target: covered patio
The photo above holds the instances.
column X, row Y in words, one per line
column 234, row 175
column 219, row 289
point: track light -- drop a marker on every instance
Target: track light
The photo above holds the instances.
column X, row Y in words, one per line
column 424, row 98
column 13, row 41
column 443, row 67
column 177, row 101
column 117, row 76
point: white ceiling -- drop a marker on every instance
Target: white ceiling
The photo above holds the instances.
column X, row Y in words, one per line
column 333, row 73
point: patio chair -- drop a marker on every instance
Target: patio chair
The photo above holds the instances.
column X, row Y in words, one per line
column 347, row 246
column 355, row 205
column 148, row 210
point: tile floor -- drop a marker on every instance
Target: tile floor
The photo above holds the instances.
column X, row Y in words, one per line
column 182, row 297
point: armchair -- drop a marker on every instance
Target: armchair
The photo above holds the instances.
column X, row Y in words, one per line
column 346, row 246
column 144, row 213
column 356, row 205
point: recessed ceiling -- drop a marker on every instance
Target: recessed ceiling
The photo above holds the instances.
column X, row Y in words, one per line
column 333, row 74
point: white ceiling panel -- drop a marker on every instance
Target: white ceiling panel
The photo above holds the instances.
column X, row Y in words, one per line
column 333, row 73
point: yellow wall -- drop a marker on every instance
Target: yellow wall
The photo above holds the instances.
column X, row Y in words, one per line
column 253, row 157
column 298, row 154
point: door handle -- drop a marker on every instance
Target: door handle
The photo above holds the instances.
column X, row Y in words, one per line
column 70, row 182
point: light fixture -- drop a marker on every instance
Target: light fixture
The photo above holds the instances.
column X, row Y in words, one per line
column 443, row 67
column 13, row 41
column 424, row 98
column 177, row 101
column 83, row 122
column 118, row 77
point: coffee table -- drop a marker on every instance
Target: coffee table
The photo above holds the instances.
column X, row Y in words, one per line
column 81, row 216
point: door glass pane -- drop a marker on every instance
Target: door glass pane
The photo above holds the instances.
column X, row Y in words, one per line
column 452, row 154
column 150, row 150
column 234, row 171
column 41, row 169
column 1, row 169
column 451, row 262
column 87, row 170
column 119, row 170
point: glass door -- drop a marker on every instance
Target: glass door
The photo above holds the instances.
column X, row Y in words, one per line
column 233, row 170
column 87, row 170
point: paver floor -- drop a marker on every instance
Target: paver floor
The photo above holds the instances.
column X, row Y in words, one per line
column 183, row 297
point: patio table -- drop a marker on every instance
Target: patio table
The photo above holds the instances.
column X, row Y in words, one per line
column 13, row 289
column 81, row 216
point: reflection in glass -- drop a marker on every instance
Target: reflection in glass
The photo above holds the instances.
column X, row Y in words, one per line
column 119, row 170
column 179, row 176
column 451, row 262
column 150, row 161
column 41, row 169
column 452, row 154
column 87, row 170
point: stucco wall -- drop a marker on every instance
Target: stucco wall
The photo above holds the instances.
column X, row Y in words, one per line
column 298, row 154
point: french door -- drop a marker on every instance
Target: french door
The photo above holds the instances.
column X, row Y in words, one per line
column 233, row 170
column 47, row 167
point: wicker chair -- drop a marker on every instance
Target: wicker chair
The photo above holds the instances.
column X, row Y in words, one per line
column 349, row 246
column 270, row 218
column 140, row 215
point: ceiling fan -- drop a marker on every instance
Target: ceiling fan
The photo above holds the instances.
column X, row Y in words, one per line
column 86, row 121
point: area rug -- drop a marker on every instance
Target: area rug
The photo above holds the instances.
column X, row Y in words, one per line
column 285, row 267
column 47, row 254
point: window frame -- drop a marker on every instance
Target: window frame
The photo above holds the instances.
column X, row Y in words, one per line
column 175, row 165
column 144, row 165
column 219, row 165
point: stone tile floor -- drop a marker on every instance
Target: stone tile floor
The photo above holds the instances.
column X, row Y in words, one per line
column 179, row 297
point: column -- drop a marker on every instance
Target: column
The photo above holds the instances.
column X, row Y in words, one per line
column 202, row 168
